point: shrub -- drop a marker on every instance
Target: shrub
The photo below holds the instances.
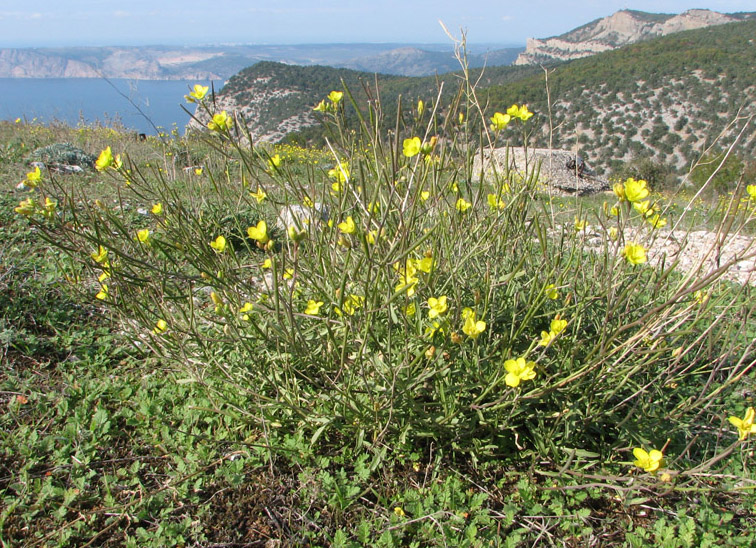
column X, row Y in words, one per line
column 409, row 301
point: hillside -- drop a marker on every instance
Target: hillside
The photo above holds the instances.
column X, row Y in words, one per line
column 619, row 29
column 276, row 100
column 659, row 100
column 413, row 61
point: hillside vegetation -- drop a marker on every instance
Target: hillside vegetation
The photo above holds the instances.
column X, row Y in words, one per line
column 663, row 99
column 660, row 101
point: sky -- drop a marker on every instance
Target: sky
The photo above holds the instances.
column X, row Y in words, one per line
column 46, row 23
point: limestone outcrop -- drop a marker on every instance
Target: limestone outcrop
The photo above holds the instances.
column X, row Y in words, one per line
column 620, row 29
column 561, row 170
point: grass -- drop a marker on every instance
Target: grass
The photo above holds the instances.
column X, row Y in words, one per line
column 217, row 435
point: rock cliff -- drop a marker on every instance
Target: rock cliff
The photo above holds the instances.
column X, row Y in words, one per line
column 620, row 29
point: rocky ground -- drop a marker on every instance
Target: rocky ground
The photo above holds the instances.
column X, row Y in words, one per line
column 706, row 252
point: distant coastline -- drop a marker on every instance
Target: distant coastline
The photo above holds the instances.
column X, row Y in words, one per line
column 95, row 101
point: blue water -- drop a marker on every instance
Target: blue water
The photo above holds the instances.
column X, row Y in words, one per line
column 91, row 100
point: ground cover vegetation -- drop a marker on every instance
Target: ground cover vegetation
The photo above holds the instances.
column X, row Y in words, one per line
column 210, row 343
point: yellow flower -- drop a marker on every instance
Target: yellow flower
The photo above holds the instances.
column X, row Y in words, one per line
column 580, row 224
column 558, row 325
column 461, row 117
column 519, row 112
column 198, row 171
column 406, row 283
column 144, row 236
column 313, row 307
column 495, row 202
column 519, row 370
column 101, row 256
column 259, row 232
column 220, row 122
column 551, row 292
column 26, row 207
column 197, row 94
column 434, row 328
column 321, row 106
column 525, row 114
column 634, row 253
column 635, row 191
column 619, row 191
column 244, row 309
column 288, row 274
column 219, row 245
column 160, row 327
column 656, row 220
column 420, row 108
column 411, row 147
column 308, row 202
column 500, row 121
column 104, row 160
column 546, row 338
column 275, row 162
column 409, row 267
column 33, row 178
column 424, row 195
column 613, row 233
column 103, row 293
column 335, row 96
column 462, row 205
column 751, row 190
column 410, row 310
column 644, row 208
column 267, row 263
column 473, row 327
column 437, row 306
column 259, row 195
column 340, row 173
column 371, row 236
column 424, row 265
column 745, row 425
column 614, row 212
column 351, row 304
column 157, row 209
column 348, row 226
column 649, row 461
column 50, row 206
column 399, row 512
column 700, row 297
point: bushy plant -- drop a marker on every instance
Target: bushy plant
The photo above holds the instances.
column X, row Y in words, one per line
column 395, row 298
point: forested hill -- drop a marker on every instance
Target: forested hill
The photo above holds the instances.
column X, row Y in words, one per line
column 277, row 99
column 659, row 100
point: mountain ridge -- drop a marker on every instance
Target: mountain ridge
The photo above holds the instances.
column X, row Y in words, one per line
column 622, row 28
column 222, row 62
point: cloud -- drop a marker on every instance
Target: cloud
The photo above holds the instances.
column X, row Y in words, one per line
column 121, row 14
column 23, row 15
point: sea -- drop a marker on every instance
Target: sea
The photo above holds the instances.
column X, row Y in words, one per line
column 144, row 106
